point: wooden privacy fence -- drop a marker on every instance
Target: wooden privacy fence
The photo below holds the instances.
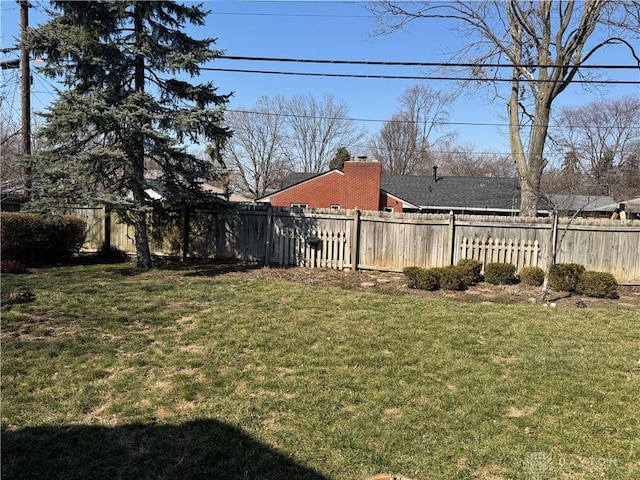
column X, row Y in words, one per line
column 350, row 239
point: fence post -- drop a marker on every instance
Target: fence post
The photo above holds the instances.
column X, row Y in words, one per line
column 452, row 235
column 551, row 258
column 107, row 230
column 268, row 236
column 186, row 220
column 355, row 239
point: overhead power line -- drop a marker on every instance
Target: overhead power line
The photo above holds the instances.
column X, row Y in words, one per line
column 413, row 77
column 311, row 15
column 323, row 117
column 420, row 64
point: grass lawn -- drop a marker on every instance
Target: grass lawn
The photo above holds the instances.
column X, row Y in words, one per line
column 115, row 373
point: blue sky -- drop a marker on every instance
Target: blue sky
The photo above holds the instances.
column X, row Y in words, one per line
column 338, row 31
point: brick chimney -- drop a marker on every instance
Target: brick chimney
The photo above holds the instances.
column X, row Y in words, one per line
column 361, row 184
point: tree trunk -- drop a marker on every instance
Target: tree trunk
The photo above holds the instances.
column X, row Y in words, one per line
column 140, row 220
column 528, row 200
column 143, row 254
column 529, row 165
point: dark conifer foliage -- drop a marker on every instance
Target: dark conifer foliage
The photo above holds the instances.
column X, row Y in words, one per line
column 127, row 103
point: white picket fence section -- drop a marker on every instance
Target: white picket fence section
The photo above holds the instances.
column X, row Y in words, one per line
column 311, row 248
column 521, row 253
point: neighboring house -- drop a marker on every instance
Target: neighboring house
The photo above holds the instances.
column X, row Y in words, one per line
column 362, row 185
column 583, row 205
column 232, row 197
column 13, row 195
column 157, row 190
column 631, row 209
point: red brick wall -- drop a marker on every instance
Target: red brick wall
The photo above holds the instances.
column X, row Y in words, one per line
column 388, row 201
column 361, row 185
column 319, row 192
column 357, row 187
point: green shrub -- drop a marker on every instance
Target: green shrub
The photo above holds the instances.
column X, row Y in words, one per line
column 35, row 239
column 564, row 276
column 500, row 273
column 454, row 277
column 411, row 275
column 429, row 279
column 422, row 278
column 597, row 284
column 533, row 276
column 473, row 269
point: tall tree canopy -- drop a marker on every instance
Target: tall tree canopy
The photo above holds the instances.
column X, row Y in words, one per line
column 257, row 153
column 601, row 145
column 317, row 128
column 126, row 102
column 545, row 44
column 406, row 142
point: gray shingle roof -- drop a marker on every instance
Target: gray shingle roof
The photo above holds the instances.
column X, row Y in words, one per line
column 298, row 177
column 470, row 193
column 584, row 202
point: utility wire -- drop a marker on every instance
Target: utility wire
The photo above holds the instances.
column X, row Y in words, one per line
column 312, row 15
column 439, row 123
column 415, row 77
column 419, row 64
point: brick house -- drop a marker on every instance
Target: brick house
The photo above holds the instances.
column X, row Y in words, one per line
column 357, row 186
column 362, row 185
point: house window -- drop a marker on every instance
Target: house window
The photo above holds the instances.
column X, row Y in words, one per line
column 335, row 207
column 298, row 205
column 388, row 209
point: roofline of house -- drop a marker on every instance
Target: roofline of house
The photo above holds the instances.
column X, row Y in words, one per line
column 266, row 198
column 480, row 209
column 405, row 204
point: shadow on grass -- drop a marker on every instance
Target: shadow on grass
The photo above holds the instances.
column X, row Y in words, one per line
column 205, row 267
column 214, row 268
column 204, row 449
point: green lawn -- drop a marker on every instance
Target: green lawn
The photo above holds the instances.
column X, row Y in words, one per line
column 115, row 373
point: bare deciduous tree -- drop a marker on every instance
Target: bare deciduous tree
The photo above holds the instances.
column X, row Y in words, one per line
column 545, row 43
column 397, row 147
column 465, row 161
column 317, row 128
column 405, row 141
column 603, row 138
column 256, row 152
column 11, row 149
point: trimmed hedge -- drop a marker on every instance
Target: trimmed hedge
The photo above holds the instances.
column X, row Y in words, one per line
column 34, row 239
column 597, row 284
column 422, row 278
column 500, row 273
column 454, row 277
column 564, row 276
column 533, row 276
column 473, row 269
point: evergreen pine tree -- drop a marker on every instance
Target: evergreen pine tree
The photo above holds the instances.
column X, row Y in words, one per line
column 342, row 155
column 127, row 103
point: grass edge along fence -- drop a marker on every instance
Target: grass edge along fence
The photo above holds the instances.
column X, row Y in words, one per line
column 367, row 240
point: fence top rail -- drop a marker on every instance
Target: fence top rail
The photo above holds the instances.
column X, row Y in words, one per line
column 511, row 220
column 308, row 216
column 488, row 223
column 407, row 221
column 599, row 222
